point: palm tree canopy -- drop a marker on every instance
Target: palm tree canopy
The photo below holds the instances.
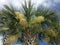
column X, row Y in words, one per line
column 31, row 19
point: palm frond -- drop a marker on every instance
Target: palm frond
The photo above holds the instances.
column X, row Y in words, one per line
column 28, row 8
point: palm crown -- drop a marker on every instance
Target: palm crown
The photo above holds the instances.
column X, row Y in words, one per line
column 30, row 19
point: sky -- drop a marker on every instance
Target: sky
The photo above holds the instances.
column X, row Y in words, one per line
column 45, row 3
column 1, row 40
column 54, row 4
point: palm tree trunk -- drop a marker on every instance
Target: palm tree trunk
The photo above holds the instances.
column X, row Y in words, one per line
column 29, row 39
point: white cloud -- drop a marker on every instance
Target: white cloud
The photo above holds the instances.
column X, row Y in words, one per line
column 48, row 4
column 18, row 2
column 2, row 2
column 38, row 2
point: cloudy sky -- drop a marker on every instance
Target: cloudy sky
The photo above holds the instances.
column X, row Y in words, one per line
column 45, row 3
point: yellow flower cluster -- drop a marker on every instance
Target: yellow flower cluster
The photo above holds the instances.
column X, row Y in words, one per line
column 51, row 32
column 32, row 25
column 38, row 19
column 22, row 19
column 19, row 15
column 23, row 22
column 11, row 38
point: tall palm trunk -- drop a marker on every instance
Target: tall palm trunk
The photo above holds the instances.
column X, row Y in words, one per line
column 29, row 39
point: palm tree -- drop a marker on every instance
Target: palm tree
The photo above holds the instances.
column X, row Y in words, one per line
column 25, row 25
